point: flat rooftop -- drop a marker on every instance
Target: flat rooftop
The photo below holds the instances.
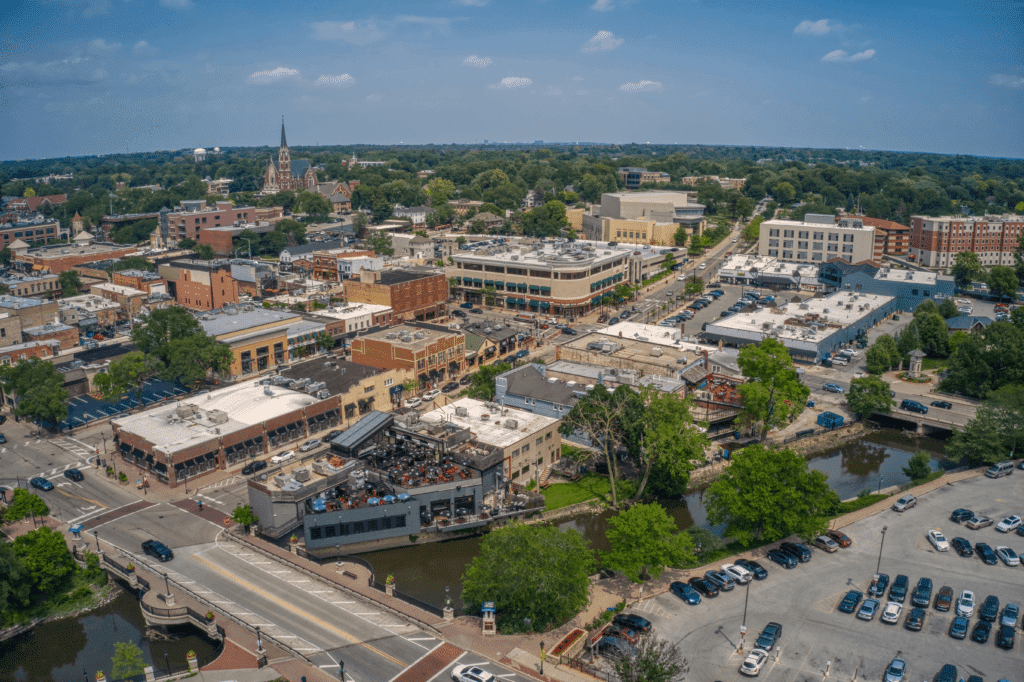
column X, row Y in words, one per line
column 240, row 320
column 663, row 336
column 673, row 357
column 338, row 375
column 19, row 302
column 494, row 430
column 409, row 336
column 67, row 250
column 353, row 310
column 766, row 265
column 801, row 224
column 546, row 255
column 659, row 196
column 119, row 289
column 211, row 416
column 88, row 302
column 910, row 276
column 398, row 276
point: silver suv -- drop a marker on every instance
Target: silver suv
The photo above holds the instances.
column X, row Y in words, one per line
column 904, row 503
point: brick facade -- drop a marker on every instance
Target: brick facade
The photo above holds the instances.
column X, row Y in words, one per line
column 934, row 242
column 409, row 296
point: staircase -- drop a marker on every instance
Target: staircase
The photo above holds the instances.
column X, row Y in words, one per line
column 544, row 476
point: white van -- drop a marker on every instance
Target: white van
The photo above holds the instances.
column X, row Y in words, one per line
column 1000, row 470
column 840, row 360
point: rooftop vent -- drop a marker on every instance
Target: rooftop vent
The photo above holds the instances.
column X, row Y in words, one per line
column 461, row 412
column 511, row 424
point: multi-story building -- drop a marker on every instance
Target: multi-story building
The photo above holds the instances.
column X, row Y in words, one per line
column 220, row 186
column 32, row 311
column 252, row 275
column 412, row 246
column 528, row 388
column 10, row 329
column 651, row 217
column 30, row 285
column 89, row 310
column 33, row 204
column 358, row 317
column 817, row 239
column 726, row 183
column 765, row 271
column 150, row 282
column 64, row 335
column 29, row 232
column 60, row 257
column 634, row 177
column 462, row 206
column 433, row 352
column 934, row 242
column 290, row 254
column 417, row 214
column 200, row 285
column 130, row 299
column 410, row 293
column 891, row 238
column 13, row 354
column 109, row 223
column 193, row 216
column 550, row 278
column 910, row 288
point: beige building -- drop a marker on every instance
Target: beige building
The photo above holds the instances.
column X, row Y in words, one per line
column 643, row 217
column 10, row 329
column 817, row 239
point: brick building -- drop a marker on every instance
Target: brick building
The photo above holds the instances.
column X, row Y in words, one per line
column 33, row 233
column 32, row 311
column 891, row 238
column 200, row 285
column 10, row 329
column 63, row 334
column 34, row 285
column 12, row 355
column 109, row 223
column 61, row 257
column 193, row 216
column 150, row 282
column 434, row 352
column 411, row 294
column 934, row 242
column 89, row 310
column 130, row 299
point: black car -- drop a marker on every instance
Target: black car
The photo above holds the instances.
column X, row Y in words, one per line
column 877, row 587
column 465, row 381
column 801, row 552
column 157, row 550
column 570, row 331
column 40, row 483
column 714, row 285
column 633, row 622
column 961, row 547
column 331, row 436
column 253, row 467
column 958, row 628
column 986, row 554
column 961, row 515
column 898, row 591
column 74, row 475
column 477, row 311
column 757, row 569
column 982, row 630
column 769, row 636
column 943, row 404
column 450, row 386
column 685, row 592
column 721, row 580
column 851, row 601
column 922, row 593
column 705, row 587
column 947, row 674
column 615, row 647
column 782, row 558
column 458, row 313
column 989, row 609
column 1005, row 638
column 915, row 620
column 3, row 438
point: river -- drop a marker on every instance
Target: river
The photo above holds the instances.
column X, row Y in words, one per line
column 424, row 571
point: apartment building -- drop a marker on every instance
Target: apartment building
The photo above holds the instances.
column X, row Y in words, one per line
column 410, row 293
column 634, row 177
column 192, row 216
column 200, row 285
column 30, row 285
column 433, row 352
column 817, row 239
column 29, row 232
column 934, row 242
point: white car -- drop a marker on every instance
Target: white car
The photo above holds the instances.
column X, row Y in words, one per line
column 754, row 662
column 1008, row 524
column 1007, row 555
column 283, row 457
column 738, row 573
column 430, row 395
column 702, row 266
column 411, row 402
column 471, row 673
column 965, row 604
column 891, row 612
column 938, row 541
column 309, row 445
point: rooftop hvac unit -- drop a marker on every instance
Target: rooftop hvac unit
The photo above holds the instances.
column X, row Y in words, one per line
column 826, row 311
column 418, row 335
column 552, row 380
column 281, row 479
column 461, row 412
column 804, row 306
column 323, row 394
column 217, row 416
column 570, row 383
column 656, row 352
column 391, row 336
column 301, row 474
column 511, row 424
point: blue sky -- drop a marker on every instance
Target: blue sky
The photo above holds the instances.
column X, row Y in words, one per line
column 103, row 76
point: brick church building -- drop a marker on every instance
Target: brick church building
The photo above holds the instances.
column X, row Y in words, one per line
column 285, row 174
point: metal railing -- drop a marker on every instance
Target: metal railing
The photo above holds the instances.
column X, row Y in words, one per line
column 413, row 601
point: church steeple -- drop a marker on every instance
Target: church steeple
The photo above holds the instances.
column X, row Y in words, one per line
column 284, row 143
column 284, row 160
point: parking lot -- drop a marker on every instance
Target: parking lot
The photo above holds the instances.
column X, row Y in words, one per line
column 804, row 600
column 731, row 294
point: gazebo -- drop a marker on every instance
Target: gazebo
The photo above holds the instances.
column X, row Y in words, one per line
column 916, row 356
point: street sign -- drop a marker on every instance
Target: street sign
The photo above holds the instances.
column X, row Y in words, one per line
column 743, row 629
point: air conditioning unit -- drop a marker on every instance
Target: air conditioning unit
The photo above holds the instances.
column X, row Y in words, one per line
column 656, row 352
column 511, row 424
column 461, row 412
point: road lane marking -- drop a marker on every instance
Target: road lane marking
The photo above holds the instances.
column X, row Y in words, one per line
column 419, row 639
column 301, row 613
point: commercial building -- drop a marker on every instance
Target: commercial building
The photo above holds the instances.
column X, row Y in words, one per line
column 768, row 271
column 144, row 280
column 222, row 239
column 358, row 317
column 651, row 217
column 15, row 353
column 29, row 232
column 557, row 278
column 910, row 288
column 252, row 276
column 634, row 177
column 817, row 239
column 65, row 336
column 226, row 427
column 200, row 285
column 934, row 242
column 32, row 311
column 582, row 377
column 433, row 352
column 130, row 299
column 725, row 183
column 360, row 389
column 812, row 329
column 191, row 217
column 10, row 329
column 30, row 285
column 60, row 257
column 528, row 388
column 410, row 293
column 89, row 310
column 290, row 254
column 417, row 214
column 412, row 246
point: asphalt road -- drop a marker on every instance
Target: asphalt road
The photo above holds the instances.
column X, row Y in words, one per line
column 804, row 600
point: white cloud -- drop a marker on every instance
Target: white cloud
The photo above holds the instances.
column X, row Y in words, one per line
column 602, row 42
column 602, row 5
column 176, row 4
column 273, row 75
column 375, row 97
column 816, row 28
column 511, row 83
column 429, row 21
column 1003, row 80
column 577, row 78
column 100, row 46
column 641, row 86
column 352, row 32
column 861, row 56
column 341, row 79
column 471, row 3
column 835, row 56
column 479, row 62
column 72, row 71
column 144, row 49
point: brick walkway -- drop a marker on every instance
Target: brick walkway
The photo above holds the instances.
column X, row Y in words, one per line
column 113, row 514
column 430, row 665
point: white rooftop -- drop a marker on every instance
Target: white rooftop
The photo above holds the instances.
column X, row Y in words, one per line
column 663, row 336
column 119, row 289
column 912, row 276
column 240, row 406
column 88, row 302
column 493, row 430
column 801, row 224
column 547, row 255
column 766, row 265
column 353, row 310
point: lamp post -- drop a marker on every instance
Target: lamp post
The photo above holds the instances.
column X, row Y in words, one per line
column 880, row 545
column 96, row 534
column 167, row 662
column 880, row 477
column 259, row 640
column 167, row 584
column 543, row 655
column 743, row 627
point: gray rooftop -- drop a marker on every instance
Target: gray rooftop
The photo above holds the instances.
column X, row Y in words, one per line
column 527, row 381
column 225, row 323
column 18, row 302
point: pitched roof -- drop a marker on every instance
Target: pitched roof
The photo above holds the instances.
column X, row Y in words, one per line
column 300, row 167
column 966, row 322
column 487, row 217
column 17, row 244
column 527, row 381
column 878, row 223
column 867, row 266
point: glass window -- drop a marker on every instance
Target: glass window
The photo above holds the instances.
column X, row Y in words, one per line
column 801, row 255
column 788, row 233
column 803, row 234
column 787, row 255
column 801, row 245
column 818, row 246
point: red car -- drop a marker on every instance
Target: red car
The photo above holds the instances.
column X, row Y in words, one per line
column 841, row 538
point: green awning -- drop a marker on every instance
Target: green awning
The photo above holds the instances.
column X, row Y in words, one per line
column 546, row 290
column 477, row 281
column 510, row 285
column 521, row 301
column 545, row 305
column 521, row 286
column 458, row 280
column 534, row 287
column 596, row 300
column 511, row 300
column 489, row 282
column 533, row 304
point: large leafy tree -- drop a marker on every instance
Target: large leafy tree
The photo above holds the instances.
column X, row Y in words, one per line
column 24, row 504
column 380, row 242
column 70, row 283
column 655, row 660
column 530, row 571
column 644, row 539
column 1008, row 404
column 980, row 442
column 772, row 395
column 934, row 334
column 130, row 372
column 439, row 191
column 987, row 360
column 15, row 584
column 185, row 351
column 45, row 554
column 948, row 309
column 604, row 419
column 481, row 382
column 37, row 387
column 669, row 443
column 868, row 395
column 127, row 660
column 965, row 266
column 883, row 355
column 1002, row 281
column 768, row 494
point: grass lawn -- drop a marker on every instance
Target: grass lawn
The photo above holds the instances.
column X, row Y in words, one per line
column 934, row 363
column 558, row 495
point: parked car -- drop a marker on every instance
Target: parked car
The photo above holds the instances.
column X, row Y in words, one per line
column 1008, row 524
column 157, row 550
column 989, row 610
column 938, row 540
column 915, row 620
column 982, row 630
column 633, row 622
column 756, row 659
column 431, row 394
column 896, row 671
column 965, row 604
column 877, row 587
column 851, row 601
column 570, row 331
column 738, row 573
column 944, row 599
column 3, row 438
column 958, row 628
column 1011, row 615
column 802, row 554
column 769, row 636
column 466, row 305
column 705, row 587
column 946, row 674
column 904, row 503
column 978, row 522
column 40, row 483
column 450, row 386
column 465, row 381
column 832, row 388
column 459, row 313
column 476, row 311
column 615, row 647
column 283, row 457
column 685, row 592
column 922, row 595
column 868, row 609
column 841, row 538
column 898, row 591
column 782, row 558
column 826, row 543
column 253, row 467
column 1007, row 556
column 721, row 580
column 961, row 515
column 943, row 404
column 74, row 475
column 891, row 612
column 986, row 554
column 757, row 569
column 962, row 547
column 1004, row 640
column 470, row 673
column 312, row 444
column 331, row 436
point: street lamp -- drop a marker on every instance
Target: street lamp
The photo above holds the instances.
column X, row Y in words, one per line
column 880, row 545
column 880, row 483
column 543, row 655
column 167, row 663
column 743, row 628
column 259, row 640
column 96, row 534
column 167, row 584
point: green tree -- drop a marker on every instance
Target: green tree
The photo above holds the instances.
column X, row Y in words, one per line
column 312, row 204
column 694, row 286
column 481, row 382
column 37, row 388
column 45, row 554
column 5, row 256
column 768, row 494
column 948, row 309
column 380, row 242
column 643, row 540
column 176, row 339
column 979, row 442
column 680, row 236
column 602, row 417
column 127, row 660
column 669, row 262
column 1002, row 281
column 188, row 243
column 29, row 192
column 24, row 504
column 359, row 223
column 324, row 341
column 203, row 251
column 129, row 372
column 654, row 660
column 70, row 283
column 15, row 585
column 868, row 395
column 439, row 191
column 1007, row 404
column 784, row 193
column 244, row 515
column 489, row 293
column 934, row 334
column 530, row 571
column 669, row 443
column 443, row 214
column 965, row 266
column 909, row 339
column 773, row 395
column 752, row 232
column 919, row 466
column 883, row 355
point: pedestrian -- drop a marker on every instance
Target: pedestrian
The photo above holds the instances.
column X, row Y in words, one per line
column 200, row 502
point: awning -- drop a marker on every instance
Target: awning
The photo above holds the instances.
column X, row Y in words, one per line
column 533, row 304
column 179, row 466
column 477, row 281
column 510, row 299
column 363, row 403
column 249, row 443
column 138, row 454
column 521, row 286
column 546, row 290
column 321, row 418
column 149, row 458
column 259, row 440
column 545, row 304
column 125, row 447
column 521, row 301
column 453, row 364
column 350, row 407
column 489, row 282
column 211, row 455
column 161, row 467
column 510, row 285
column 534, row 287
column 424, row 377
